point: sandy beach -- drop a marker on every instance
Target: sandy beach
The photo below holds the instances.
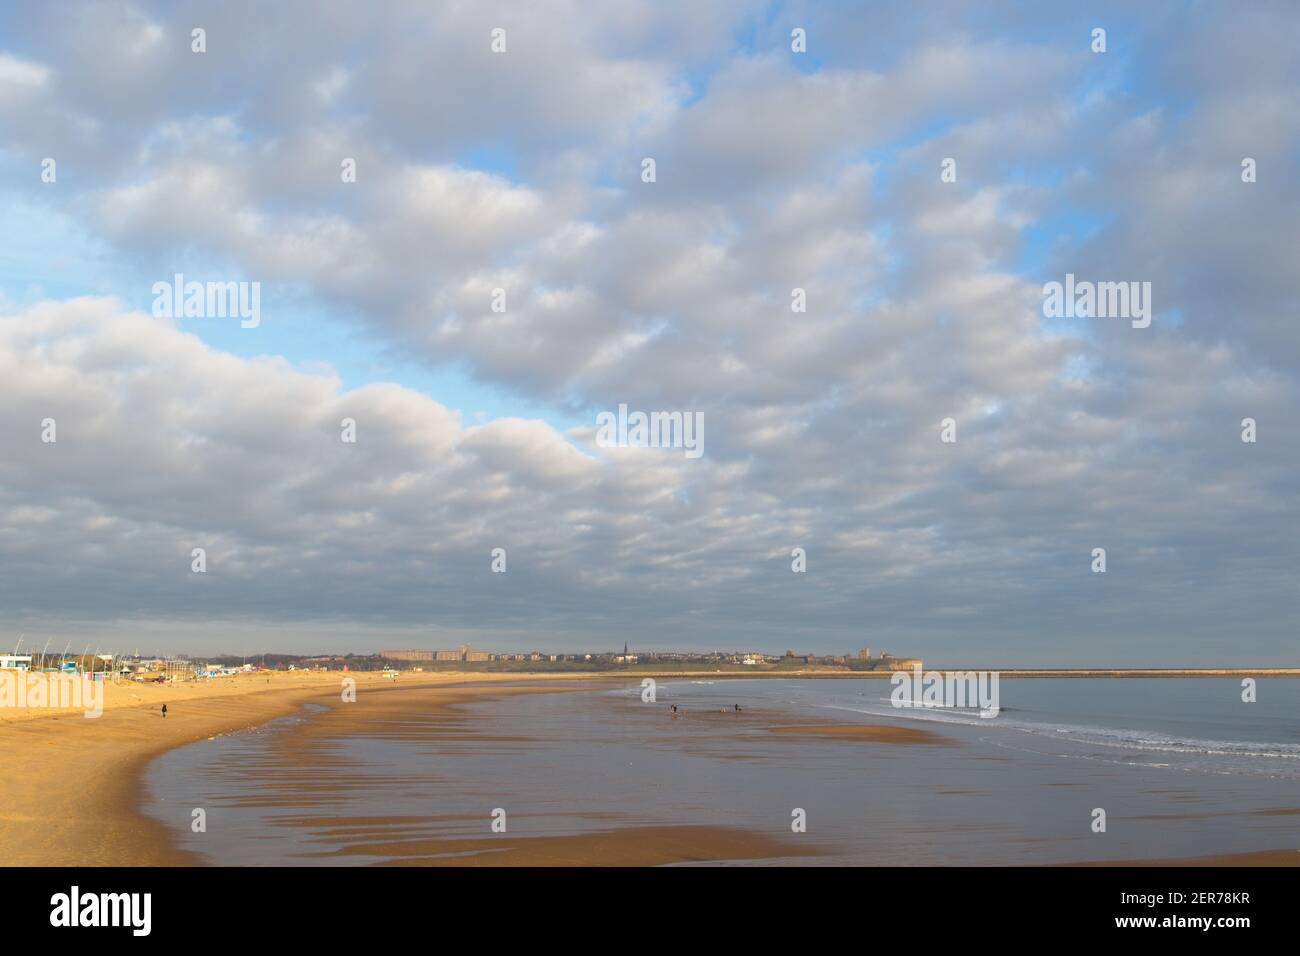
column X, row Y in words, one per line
column 70, row 792
column 73, row 792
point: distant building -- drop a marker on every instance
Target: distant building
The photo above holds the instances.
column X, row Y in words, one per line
column 15, row 662
column 864, row 654
column 888, row 662
column 177, row 669
column 411, row 655
column 461, row 654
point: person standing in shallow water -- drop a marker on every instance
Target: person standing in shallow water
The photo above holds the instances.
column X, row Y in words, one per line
column 164, row 711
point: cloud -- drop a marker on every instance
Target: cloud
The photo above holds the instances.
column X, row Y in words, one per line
column 521, row 172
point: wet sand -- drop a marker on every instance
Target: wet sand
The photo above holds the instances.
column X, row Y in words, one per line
column 309, row 771
column 72, row 789
column 1259, row 858
column 625, row 846
column 864, row 733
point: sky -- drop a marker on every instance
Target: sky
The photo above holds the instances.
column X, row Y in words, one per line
column 523, row 170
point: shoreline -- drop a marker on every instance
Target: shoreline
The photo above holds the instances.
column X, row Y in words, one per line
column 439, row 712
column 73, row 787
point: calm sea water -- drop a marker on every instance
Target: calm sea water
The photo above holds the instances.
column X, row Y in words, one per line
column 1181, row 767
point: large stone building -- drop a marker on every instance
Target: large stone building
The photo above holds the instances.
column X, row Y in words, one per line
column 463, row 653
column 411, row 655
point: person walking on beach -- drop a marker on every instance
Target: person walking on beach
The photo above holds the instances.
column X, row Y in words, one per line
column 164, row 711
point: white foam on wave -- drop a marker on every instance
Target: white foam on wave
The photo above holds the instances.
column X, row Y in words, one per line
column 1212, row 755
